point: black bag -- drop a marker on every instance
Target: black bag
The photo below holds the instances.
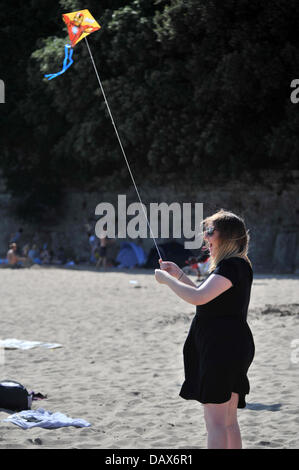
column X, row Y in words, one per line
column 14, row 396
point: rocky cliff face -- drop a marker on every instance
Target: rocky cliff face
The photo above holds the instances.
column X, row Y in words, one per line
column 269, row 204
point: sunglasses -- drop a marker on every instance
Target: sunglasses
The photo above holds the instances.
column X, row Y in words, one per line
column 209, row 231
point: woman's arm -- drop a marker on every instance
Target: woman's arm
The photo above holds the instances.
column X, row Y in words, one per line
column 186, row 280
column 174, row 270
column 212, row 287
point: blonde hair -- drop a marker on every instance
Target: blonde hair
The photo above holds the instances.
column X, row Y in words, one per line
column 233, row 236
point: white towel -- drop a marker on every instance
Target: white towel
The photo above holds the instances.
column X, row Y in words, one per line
column 44, row 419
column 12, row 343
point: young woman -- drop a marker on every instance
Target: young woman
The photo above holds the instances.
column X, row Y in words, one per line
column 219, row 347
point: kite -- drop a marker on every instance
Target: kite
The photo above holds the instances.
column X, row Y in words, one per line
column 79, row 25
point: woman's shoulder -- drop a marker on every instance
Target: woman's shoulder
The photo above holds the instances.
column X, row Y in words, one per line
column 234, row 261
column 234, row 268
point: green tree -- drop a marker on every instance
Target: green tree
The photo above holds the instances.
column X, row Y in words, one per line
column 240, row 57
column 28, row 115
column 198, row 90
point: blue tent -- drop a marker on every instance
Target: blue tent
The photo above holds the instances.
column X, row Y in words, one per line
column 130, row 255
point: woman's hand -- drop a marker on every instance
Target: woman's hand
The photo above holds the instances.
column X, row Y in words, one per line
column 161, row 276
column 171, row 268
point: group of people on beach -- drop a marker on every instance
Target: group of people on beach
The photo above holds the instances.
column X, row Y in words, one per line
column 31, row 254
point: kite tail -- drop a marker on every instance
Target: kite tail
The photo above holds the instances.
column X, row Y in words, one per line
column 68, row 53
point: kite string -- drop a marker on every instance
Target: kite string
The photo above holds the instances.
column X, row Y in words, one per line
column 120, row 144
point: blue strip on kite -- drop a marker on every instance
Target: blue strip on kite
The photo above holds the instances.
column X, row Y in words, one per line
column 68, row 53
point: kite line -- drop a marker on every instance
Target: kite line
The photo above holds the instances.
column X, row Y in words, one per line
column 121, row 145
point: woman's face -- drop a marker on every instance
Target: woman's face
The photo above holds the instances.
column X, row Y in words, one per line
column 211, row 235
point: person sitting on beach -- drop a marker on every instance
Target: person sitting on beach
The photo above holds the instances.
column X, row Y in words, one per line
column 45, row 255
column 33, row 253
column 25, row 250
column 12, row 258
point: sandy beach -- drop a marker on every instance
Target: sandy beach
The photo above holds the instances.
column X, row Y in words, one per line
column 120, row 366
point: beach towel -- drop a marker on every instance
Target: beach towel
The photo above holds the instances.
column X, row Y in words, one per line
column 12, row 343
column 44, row 419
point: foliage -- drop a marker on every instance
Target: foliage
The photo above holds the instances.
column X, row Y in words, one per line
column 198, row 89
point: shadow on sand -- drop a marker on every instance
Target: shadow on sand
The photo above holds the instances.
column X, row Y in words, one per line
column 261, row 407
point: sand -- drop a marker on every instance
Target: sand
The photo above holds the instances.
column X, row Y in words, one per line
column 121, row 364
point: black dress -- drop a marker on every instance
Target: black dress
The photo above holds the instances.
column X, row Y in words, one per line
column 219, row 347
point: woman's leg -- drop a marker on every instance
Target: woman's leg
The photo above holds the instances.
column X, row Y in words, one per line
column 216, row 423
column 222, row 425
column 234, row 440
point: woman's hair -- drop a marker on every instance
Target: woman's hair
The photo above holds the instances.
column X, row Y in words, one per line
column 233, row 236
